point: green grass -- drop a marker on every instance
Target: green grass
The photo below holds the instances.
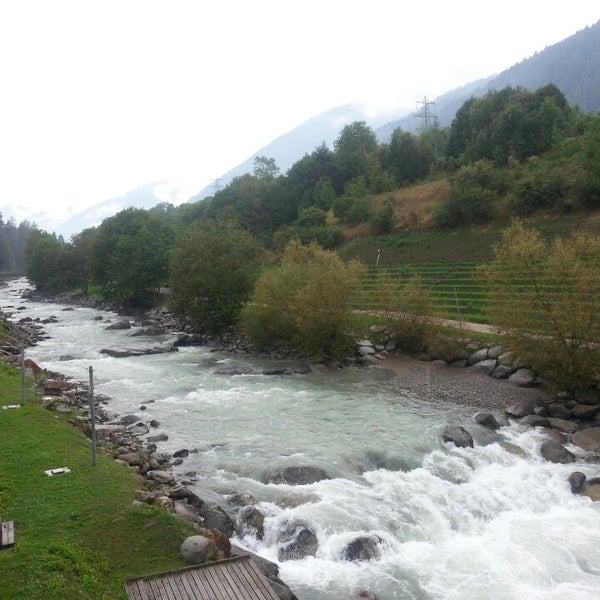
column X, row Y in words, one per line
column 78, row 535
column 456, row 288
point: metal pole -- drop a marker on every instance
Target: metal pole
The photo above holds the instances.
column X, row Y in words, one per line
column 23, row 383
column 93, row 415
column 457, row 305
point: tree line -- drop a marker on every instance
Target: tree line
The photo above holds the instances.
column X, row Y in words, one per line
column 262, row 249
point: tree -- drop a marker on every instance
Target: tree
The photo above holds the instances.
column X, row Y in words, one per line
column 545, row 298
column 304, row 304
column 213, row 274
column 47, row 263
column 265, row 168
column 130, row 256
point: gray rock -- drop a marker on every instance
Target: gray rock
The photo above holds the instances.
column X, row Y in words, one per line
column 362, row 548
column 563, row 425
column 198, row 549
column 298, row 542
column 297, row 475
column 138, row 350
column 577, row 481
column 250, row 519
column 161, row 437
column 161, row 476
column 138, row 429
column 584, row 411
column 485, row 366
column 535, row 421
column 216, row 518
column 556, row 453
column 477, row 356
column 487, row 420
column 119, row 325
column 459, row 436
column 501, row 372
column 588, row 439
column 522, row 378
column 365, row 350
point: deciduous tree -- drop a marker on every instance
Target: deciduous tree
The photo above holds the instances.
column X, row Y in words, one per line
column 304, row 304
column 545, row 298
column 213, row 274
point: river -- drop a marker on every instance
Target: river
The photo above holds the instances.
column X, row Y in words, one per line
column 452, row 524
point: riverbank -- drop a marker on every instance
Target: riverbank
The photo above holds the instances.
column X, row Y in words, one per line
column 453, row 385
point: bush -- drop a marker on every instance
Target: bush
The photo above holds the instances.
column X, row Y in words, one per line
column 545, row 300
column 304, row 305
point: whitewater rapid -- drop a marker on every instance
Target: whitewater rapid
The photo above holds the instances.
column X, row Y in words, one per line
column 453, row 524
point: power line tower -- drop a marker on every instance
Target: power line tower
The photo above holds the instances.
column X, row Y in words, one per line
column 426, row 112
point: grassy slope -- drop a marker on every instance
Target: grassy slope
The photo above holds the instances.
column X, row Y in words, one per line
column 77, row 535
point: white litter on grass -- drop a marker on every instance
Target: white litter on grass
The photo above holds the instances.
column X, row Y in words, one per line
column 59, row 471
column 11, row 406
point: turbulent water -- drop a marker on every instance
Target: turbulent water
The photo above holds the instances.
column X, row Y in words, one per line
column 452, row 524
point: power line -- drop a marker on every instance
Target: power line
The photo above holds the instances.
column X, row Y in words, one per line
column 426, row 112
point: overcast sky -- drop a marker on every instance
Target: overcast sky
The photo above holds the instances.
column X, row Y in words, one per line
column 100, row 97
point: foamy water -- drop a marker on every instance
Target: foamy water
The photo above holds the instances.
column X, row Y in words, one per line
column 468, row 524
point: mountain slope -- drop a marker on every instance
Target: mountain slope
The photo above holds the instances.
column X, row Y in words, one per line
column 573, row 65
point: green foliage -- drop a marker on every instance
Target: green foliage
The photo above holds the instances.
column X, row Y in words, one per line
column 78, row 535
column 409, row 310
column 265, row 168
column 472, row 196
column 510, row 124
column 545, row 297
column 14, row 241
column 384, row 220
column 538, row 186
column 214, row 270
column 49, row 264
column 303, row 305
column 129, row 256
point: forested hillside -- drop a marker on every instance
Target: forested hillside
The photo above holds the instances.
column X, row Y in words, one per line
column 511, row 153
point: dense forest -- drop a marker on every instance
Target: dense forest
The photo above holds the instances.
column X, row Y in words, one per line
column 14, row 240
column 510, row 153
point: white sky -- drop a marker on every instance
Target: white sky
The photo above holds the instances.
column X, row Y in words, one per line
column 100, row 97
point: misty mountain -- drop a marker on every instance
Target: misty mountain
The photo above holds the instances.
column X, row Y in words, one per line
column 146, row 196
column 293, row 145
column 573, row 65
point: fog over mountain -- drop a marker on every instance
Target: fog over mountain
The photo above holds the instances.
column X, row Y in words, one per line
column 573, row 65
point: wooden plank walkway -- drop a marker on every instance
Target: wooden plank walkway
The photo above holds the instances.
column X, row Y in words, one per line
column 232, row 579
column 7, row 534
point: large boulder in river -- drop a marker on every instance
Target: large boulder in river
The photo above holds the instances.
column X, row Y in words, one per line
column 297, row 475
column 138, row 350
column 362, row 548
column 298, row 541
column 556, row 453
column 588, row 439
column 458, row 435
column 120, row 325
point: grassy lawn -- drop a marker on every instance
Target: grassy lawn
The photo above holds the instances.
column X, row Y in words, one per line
column 78, row 534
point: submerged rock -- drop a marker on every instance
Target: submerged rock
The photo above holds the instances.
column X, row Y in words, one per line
column 297, row 475
column 299, row 541
column 362, row 548
column 459, row 436
column 138, row 350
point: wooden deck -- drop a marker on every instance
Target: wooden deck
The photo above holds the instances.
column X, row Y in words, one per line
column 7, row 534
column 232, row 579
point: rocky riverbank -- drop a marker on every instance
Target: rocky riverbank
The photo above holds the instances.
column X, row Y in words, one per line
column 499, row 392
